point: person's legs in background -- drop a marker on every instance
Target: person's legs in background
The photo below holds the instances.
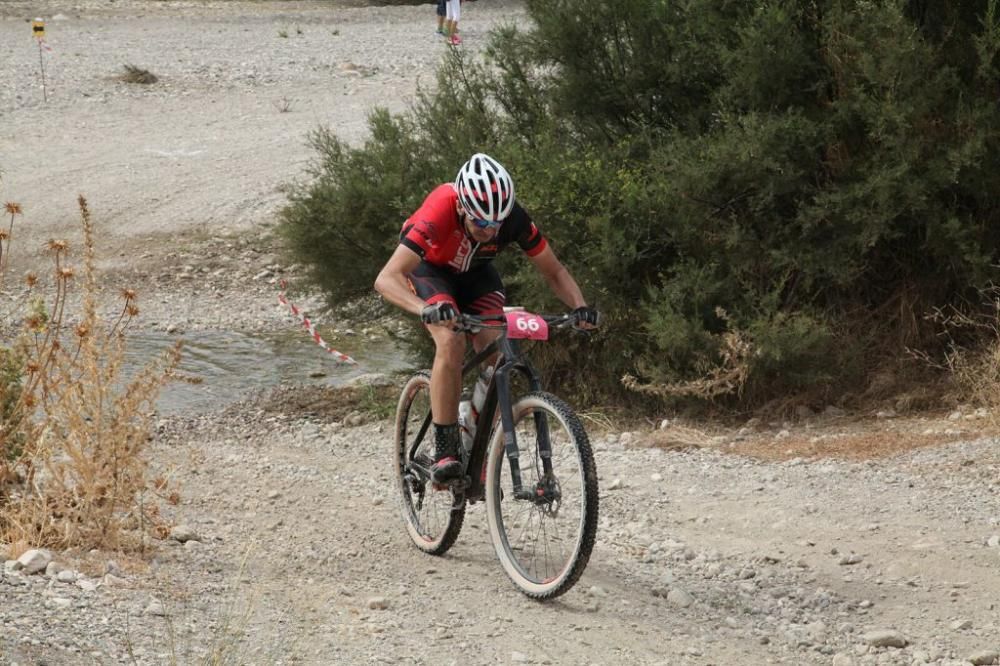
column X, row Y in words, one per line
column 442, row 11
column 454, row 11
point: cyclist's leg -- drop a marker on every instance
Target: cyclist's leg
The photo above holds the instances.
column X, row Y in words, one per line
column 435, row 285
column 482, row 293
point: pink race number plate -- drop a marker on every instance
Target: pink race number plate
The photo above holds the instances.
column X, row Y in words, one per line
column 526, row 325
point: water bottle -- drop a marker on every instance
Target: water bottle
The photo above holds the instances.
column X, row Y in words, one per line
column 466, row 424
column 479, row 394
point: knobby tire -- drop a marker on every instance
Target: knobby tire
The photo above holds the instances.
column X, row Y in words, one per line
column 511, row 545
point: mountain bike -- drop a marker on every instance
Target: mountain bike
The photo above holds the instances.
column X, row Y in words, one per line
column 530, row 461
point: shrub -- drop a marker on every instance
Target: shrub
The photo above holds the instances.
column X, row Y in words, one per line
column 823, row 172
column 133, row 74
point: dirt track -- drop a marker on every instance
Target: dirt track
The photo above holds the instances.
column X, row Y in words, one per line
column 704, row 556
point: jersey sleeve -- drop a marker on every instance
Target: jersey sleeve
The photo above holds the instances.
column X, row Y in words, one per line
column 418, row 236
column 426, row 229
column 528, row 236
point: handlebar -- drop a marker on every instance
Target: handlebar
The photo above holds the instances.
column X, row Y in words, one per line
column 470, row 322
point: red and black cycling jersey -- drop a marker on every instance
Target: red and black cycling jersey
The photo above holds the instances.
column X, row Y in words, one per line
column 436, row 233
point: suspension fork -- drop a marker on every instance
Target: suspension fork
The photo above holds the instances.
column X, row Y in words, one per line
column 513, row 359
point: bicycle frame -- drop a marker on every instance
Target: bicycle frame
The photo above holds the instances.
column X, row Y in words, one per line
column 498, row 394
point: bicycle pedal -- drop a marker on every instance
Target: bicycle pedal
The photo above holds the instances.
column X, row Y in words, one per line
column 456, row 485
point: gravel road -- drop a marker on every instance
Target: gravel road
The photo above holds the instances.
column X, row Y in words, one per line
column 763, row 543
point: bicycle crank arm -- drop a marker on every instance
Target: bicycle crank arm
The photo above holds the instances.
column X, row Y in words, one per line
column 419, row 470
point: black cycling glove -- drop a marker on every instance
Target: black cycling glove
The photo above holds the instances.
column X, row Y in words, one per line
column 440, row 311
column 587, row 315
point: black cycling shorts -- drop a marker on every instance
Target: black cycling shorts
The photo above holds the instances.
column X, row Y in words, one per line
column 478, row 291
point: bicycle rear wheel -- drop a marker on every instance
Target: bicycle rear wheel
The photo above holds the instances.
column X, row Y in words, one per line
column 433, row 518
column 544, row 542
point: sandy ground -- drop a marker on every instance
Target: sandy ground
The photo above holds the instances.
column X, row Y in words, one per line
column 829, row 540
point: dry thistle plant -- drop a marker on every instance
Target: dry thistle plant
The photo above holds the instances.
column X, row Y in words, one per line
column 73, row 470
column 6, row 236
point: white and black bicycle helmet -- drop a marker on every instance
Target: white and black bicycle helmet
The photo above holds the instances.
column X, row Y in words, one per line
column 485, row 189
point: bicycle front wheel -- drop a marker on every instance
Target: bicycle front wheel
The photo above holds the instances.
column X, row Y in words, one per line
column 543, row 541
column 433, row 518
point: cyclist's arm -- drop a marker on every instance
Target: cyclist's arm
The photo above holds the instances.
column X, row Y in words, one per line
column 558, row 278
column 392, row 283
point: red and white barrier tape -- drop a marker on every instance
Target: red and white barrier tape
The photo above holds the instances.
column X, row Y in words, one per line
column 343, row 358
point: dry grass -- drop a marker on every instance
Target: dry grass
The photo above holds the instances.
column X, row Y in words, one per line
column 133, row 74
column 73, row 470
column 846, row 446
column 843, row 438
column 228, row 642
column 283, row 104
column 675, row 438
column 327, row 403
column 728, row 377
column 972, row 356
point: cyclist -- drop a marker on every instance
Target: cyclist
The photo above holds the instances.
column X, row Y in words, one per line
column 443, row 266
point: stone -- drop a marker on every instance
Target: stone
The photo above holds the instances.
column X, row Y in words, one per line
column 378, row 603
column 370, row 379
column 66, row 576
column 183, row 533
column 155, row 608
column 985, row 658
column 680, row 597
column 86, row 585
column 34, row 561
column 112, row 580
column 885, row 638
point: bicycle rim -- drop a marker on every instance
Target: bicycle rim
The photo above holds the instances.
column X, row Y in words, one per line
column 544, row 545
column 433, row 518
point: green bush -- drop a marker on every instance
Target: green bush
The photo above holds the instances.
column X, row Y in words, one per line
column 345, row 221
column 823, row 172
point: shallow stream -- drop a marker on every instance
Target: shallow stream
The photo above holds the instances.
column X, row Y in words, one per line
column 231, row 363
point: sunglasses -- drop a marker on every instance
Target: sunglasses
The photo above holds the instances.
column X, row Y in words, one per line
column 486, row 224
